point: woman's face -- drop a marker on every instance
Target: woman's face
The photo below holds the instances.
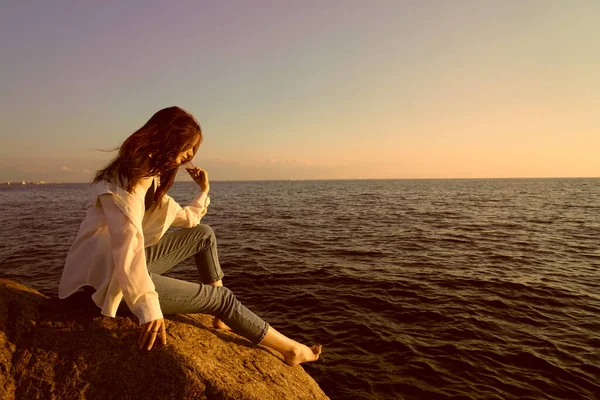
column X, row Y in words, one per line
column 187, row 154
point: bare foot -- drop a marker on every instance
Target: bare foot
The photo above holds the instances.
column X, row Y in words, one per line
column 302, row 353
column 218, row 324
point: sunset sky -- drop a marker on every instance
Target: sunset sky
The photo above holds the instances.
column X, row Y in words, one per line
column 307, row 89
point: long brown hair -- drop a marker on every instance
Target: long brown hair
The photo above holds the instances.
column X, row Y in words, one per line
column 152, row 151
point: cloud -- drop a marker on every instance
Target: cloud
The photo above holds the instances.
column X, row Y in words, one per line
column 265, row 169
column 66, row 169
column 87, row 171
column 271, row 162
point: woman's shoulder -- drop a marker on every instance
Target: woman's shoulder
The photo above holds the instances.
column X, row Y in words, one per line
column 131, row 203
column 104, row 186
column 119, row 186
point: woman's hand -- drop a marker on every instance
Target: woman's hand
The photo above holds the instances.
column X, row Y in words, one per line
column 200, row 176
column 150, row 330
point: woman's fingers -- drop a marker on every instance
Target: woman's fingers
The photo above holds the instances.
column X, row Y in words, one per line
column 151, row 339
column 143, row 334
column 194, row 172
column 200, row 176
column 149, row 333
column 163, row 334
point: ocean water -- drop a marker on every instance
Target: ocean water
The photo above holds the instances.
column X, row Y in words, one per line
column 418, row 289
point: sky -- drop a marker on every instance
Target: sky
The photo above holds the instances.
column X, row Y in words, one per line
column 327, row 89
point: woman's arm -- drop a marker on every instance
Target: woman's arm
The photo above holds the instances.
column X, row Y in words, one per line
column 190, row 215
column 127, row 247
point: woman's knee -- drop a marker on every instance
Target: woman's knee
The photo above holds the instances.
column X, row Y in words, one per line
column 204, row 232
column 228, row 299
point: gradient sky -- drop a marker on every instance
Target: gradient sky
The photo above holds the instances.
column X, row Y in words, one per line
column 307, row 89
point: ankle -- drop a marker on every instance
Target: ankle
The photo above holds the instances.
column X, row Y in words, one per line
column 294, row 351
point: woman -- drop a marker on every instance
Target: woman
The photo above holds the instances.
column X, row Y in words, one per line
column 122, row 248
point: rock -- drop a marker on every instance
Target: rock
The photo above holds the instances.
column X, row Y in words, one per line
column 57, row 349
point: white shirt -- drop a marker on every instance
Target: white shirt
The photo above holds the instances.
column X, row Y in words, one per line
column 108, row 253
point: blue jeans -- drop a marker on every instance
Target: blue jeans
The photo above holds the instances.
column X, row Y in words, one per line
column 182, row 297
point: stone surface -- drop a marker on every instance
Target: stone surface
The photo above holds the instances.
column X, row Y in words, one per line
column 57, row 349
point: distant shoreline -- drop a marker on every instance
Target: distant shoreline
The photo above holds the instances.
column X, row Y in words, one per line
column 37, row 183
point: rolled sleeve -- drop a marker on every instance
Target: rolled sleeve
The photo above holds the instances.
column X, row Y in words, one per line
column 190, row 215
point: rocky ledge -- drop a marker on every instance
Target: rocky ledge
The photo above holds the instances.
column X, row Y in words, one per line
column 64, row 349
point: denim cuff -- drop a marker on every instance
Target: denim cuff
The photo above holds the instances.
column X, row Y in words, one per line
column 261, row 336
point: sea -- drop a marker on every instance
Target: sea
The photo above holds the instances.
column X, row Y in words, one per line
column 417, row 289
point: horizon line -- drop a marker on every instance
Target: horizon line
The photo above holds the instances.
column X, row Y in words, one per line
column 41, row 182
